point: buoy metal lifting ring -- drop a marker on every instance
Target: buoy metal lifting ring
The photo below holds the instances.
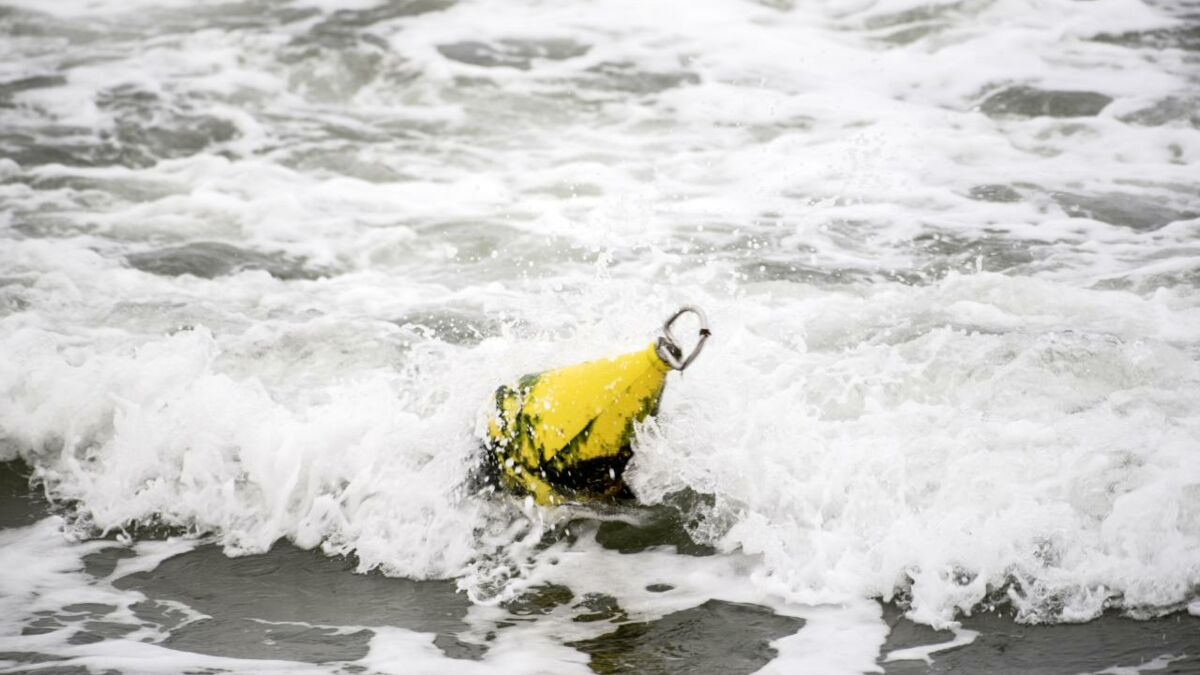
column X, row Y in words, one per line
column 668, row 347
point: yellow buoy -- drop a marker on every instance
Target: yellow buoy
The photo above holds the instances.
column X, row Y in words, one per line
column 565, row 435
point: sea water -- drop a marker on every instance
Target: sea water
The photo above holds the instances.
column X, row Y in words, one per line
column 263, row 263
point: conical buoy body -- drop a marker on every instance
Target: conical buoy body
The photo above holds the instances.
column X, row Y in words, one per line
column 564, row 435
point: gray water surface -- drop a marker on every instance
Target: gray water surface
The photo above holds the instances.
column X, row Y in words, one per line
column 295, row 605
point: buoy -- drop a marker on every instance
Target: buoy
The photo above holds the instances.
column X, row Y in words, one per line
column 565, row 435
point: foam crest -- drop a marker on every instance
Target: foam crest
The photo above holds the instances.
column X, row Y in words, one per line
column 951, row 459
column 156, row 435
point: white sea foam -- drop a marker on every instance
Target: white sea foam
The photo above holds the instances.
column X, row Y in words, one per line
column 950, row 461
column 398, row 651
column 956, row 344
column 962, row 637
column 43, row 582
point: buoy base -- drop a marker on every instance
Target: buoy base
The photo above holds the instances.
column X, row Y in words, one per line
column 594, row 481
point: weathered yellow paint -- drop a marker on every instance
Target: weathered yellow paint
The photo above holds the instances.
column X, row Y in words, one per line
column 565, row 434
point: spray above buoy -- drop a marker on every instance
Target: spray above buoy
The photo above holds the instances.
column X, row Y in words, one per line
column 565, row 435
